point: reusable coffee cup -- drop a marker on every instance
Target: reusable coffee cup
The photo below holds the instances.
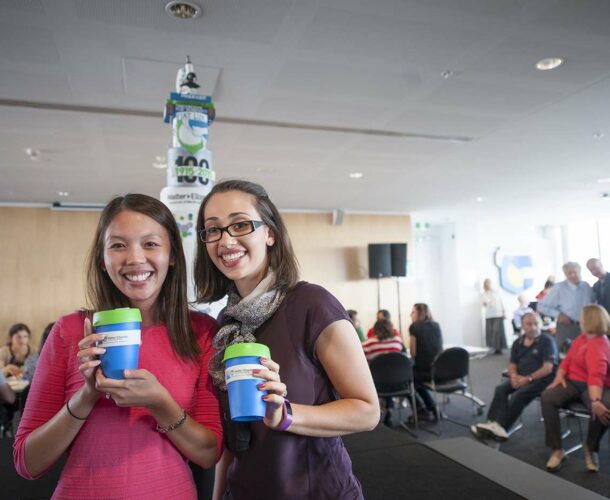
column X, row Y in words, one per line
column 245, row 398
column 121, row 328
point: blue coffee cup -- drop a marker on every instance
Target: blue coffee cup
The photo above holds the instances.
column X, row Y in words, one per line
column 245, row 398
column 121, row 328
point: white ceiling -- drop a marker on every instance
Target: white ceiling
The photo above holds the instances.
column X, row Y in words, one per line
column 85, row 83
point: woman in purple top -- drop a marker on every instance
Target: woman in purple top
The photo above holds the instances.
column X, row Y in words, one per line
column 244, row 251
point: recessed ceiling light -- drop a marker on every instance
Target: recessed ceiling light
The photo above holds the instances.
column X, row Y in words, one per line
column 63, row 194
column 447, row 74
column 549, row 63
column 33, row 154
column 603, row 181
column 479, row 199
column 183, row 10
column 159, row 165
column 356, row 175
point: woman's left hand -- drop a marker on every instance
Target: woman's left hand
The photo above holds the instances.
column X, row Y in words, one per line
column 276, row 391
column 138, row 388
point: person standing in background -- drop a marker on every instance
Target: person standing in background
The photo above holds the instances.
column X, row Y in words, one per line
column 565, row 302
column 601, row 289
column 495, row 337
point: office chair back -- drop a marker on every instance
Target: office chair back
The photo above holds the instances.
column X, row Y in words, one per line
column 391, row 372
column 450, row 364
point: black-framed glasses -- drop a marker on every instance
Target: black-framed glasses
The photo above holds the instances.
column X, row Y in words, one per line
column 236, row 229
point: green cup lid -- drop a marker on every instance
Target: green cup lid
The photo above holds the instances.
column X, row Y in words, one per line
column 246, row 349
column 114, row 316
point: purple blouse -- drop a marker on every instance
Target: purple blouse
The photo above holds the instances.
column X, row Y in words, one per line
column 281, row 464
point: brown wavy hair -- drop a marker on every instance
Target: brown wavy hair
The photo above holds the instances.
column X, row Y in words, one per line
column 172, row 304
column 383, row 329
column 210, row 283
column 423, row 312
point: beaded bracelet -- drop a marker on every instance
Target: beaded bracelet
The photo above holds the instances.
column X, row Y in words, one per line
column 166, row 428
column 70, row 412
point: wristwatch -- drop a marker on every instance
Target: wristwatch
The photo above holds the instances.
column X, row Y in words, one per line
column 286, row 417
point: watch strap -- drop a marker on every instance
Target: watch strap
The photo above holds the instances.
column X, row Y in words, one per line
column 286, row 417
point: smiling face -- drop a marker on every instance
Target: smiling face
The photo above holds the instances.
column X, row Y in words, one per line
column 243, row 259
column 137, row 256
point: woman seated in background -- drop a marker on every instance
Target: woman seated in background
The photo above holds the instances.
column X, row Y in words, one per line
column 583, row 375
column 425, row 342
column 384, row 340
column 12, row 355
column 29, row 367
column 381, row 314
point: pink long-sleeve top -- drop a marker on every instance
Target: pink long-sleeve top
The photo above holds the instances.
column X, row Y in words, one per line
column 588, row 360
column 118, row 453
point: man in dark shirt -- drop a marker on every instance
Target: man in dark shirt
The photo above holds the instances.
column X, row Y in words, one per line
column 601, row 289
column 532, row 361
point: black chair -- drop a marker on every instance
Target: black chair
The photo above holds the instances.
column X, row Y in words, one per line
column 578, row 410
column 450, row 375
column 393, row 377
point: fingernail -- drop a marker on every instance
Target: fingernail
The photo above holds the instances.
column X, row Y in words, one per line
column 264, row 360
column 256, row 371
column 127, row 372
column 265, row 398
column 103, row 350
column 260, row 386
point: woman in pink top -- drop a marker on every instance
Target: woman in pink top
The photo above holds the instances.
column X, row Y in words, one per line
column 127, row 438
column 584, row 374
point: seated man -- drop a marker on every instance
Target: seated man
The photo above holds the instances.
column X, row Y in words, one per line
column 532, row 364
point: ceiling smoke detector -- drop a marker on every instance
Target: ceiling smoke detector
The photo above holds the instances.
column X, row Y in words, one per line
column 183, row 10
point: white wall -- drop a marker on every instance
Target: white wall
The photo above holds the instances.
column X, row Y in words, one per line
column 454, row 258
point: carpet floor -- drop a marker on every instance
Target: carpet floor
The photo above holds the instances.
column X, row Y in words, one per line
column 526, row 444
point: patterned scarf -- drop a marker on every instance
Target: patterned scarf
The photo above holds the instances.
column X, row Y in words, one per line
column 241, row 319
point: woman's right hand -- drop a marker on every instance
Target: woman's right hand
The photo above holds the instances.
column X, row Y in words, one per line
column 88, row 355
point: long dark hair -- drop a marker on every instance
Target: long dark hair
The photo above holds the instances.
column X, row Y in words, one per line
column 17, row 327
column 172, row 305
column 210, row 283
column 423, row 312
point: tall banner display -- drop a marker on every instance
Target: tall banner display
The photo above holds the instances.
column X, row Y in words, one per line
column 190, row 175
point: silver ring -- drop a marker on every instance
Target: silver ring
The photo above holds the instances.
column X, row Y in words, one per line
column 107, row 395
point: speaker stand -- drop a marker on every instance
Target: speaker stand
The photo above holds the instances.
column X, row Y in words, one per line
column 378, row 293
column 399, row 314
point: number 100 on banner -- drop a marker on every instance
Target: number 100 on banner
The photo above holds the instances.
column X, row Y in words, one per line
column 185, row 169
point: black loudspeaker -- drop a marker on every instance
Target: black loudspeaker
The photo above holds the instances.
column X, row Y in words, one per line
column 399, row 259
column 380, row 260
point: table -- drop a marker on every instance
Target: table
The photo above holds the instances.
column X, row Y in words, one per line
column 474, row 352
